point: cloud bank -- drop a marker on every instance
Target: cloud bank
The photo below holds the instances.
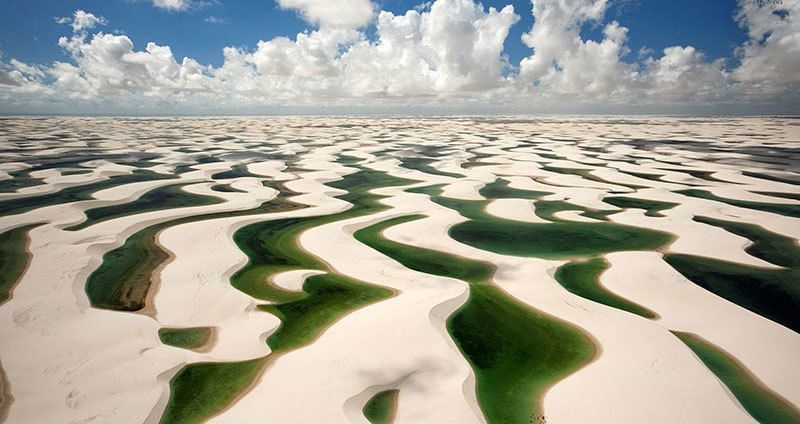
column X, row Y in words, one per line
column 446, row 55
column 174, row 5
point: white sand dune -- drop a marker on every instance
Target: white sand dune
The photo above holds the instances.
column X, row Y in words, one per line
column 766, row 348
column 401, row 337
column 515, row 209
column 646, row 366
column 693, row 238
column 66, row 361
column 100, row 372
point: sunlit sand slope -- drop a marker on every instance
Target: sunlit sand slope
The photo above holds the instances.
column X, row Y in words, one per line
column 412, row 270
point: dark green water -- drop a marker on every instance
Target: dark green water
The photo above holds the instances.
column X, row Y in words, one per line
column 424, row 165
column 159, row 198
column 76, row 193
column 771, row 247
column 771, row 177
column 236, row 171
column 792, row 196
column 382, row 407
column 271, row 247
column 653, row 207
column 201, row 389
column 644, row 176
column 761, row 403
column 226, row 188
column 789, row 210
column 14, row 258
column 586, row 174
column 555, row 240
column 186, row 338
column 500, row 189
column 517, row 352
column 771, row 293
column 19, row 179
column 123, row 279
column 583, row 279
column 547, row 209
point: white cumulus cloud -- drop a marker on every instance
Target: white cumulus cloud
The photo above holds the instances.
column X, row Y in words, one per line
column 771, row 57
column 108, row 64
column 81, row 21
column 440, row 55
column 175, row 5
column 335, row 13
column 455, row 46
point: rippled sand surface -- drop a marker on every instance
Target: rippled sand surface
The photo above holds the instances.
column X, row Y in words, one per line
column 422, row 270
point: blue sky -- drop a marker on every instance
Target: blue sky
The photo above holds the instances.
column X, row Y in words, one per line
column 245, row 56
column 29, row 32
